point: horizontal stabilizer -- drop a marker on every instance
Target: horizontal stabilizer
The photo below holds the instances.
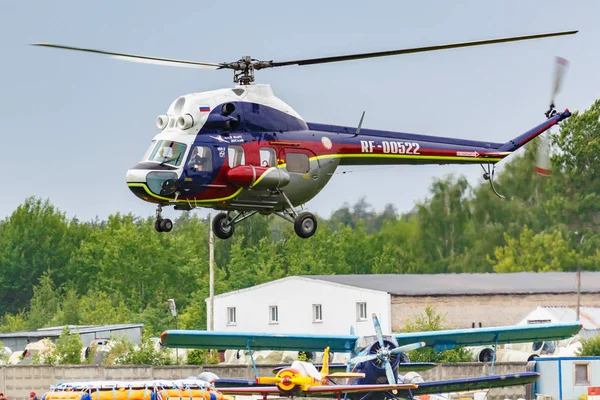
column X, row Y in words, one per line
column 468, row 384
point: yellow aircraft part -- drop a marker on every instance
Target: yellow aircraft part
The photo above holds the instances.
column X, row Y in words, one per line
column 346, row 375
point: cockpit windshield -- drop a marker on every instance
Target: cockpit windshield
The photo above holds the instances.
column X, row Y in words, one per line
column 168, row 152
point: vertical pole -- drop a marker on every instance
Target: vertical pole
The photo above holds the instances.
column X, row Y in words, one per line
column 211, row 269
column 578, row 289
column 495, row 351
column 579, row 278
column 176, row 349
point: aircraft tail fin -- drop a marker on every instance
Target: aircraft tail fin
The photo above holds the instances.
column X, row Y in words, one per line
column 516, row 143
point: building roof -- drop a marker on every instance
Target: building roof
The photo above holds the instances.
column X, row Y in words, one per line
column 307, row 278
column 55, row 331
column 470, row 284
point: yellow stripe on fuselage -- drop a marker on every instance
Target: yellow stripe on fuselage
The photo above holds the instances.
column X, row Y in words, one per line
column 145, row 187
column 409, row 156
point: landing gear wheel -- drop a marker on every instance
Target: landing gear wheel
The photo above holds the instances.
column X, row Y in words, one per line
column 305, row 224
column 166, row 225
column 157, row 225
column 222, row 226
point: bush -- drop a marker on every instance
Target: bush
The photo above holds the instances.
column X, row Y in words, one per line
column 432, row 321
column 68, row 347
column 147, row 352
column 202, row 357
column 590, row 347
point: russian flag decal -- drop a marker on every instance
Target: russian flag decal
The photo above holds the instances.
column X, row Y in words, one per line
column 204, row 109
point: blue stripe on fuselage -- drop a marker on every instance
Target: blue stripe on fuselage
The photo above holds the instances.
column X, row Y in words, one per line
column 402, row 135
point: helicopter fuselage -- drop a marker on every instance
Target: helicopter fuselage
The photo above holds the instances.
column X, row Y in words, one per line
column 255, row 148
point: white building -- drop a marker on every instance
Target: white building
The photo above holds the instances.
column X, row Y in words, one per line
column 302, row 305
column 331, row 304
column 588, row 316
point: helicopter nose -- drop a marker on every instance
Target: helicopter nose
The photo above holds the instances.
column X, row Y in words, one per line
column 160, row 183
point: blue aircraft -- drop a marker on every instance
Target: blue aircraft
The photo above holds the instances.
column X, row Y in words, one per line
column 377, row 358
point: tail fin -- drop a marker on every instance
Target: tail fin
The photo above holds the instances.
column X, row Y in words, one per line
column 520, row 140
column 325, row 367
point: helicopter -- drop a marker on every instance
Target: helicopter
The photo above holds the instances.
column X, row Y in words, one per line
column 244, row 151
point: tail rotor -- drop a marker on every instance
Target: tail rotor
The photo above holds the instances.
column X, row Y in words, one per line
column 542, row 162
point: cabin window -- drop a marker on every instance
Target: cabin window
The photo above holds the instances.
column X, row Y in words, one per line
column 168, row 152
column 273, row 315
column 267, row 157
column 201, row 159
column 317, row 313
column 582, row 373
column 297, row 162
column 231, row 317
column 236, row 156
column 361, row 311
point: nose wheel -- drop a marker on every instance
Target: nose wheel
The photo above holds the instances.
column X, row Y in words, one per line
column 162, row 224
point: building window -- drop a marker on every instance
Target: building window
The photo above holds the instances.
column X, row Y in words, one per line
column 317, row 313
column 361, row 311
column 582, row 374
column 231, row 320
column 273, row 315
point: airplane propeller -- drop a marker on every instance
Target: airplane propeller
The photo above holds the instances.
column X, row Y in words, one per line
column 244, row 67
column 384, row 353
column 542, row 163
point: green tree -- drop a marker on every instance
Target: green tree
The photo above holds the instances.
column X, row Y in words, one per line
column 443, row 221
column 431, row 320
column 545, row 251
column 36, row 238
column 68, row 347
column 590, row 347
column 44, row 305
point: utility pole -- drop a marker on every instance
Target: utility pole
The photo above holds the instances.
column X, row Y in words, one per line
column 579, row 277
column 173, row 308
column 211, row 273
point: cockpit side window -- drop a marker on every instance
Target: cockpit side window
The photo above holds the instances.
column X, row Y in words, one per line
column 168, row 152
column 267, row 157
column 147, row 153
column 236, row 156
column 201, row 159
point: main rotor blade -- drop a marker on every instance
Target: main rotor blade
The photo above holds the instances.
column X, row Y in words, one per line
column 140, row 59
column 348, row 57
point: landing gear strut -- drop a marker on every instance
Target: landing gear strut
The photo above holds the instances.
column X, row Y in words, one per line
column 223, row 225
column 488, row 175
column 305, row 223
column 162, row 224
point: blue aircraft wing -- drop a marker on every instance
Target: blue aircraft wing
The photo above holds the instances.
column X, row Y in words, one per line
column 469, row 384
column 257, row 341
column 448, row 339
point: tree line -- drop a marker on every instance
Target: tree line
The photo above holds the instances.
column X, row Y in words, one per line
column 55, row 270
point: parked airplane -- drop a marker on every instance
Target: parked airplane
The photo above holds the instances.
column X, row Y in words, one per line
column 377, row 356
column 303, row 379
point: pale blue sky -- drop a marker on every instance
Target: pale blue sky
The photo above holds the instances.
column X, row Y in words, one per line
column 73, row 123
